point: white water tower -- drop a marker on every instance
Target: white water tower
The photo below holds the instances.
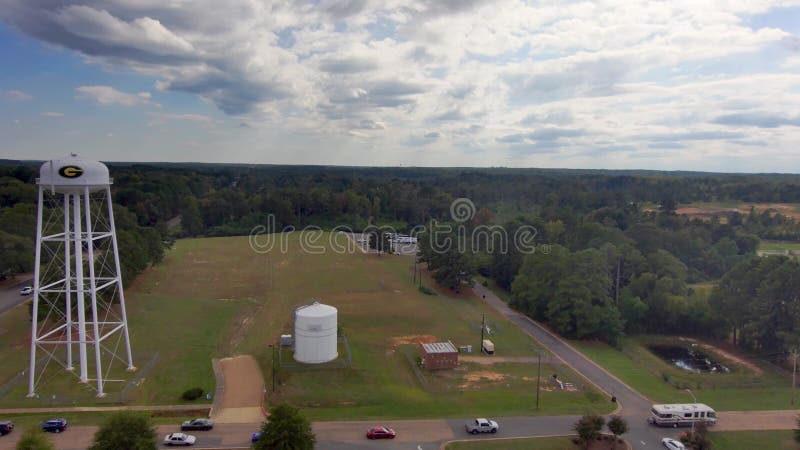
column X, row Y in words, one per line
column 315, row 340
column 78, row 301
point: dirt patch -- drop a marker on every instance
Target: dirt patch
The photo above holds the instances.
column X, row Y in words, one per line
column 244, row 382
column 473, row 378
column 413, row 339
column 738, row 360
column 497, row 359
column 727, row 355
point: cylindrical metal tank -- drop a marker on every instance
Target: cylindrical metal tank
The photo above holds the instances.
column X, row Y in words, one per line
column 71, row 174
column 315, row 334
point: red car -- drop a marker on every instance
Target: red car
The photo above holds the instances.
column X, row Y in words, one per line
column 381, row 433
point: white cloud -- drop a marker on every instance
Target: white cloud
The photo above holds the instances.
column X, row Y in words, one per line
column 52, row 114
column 548, row 83
column 17, row 96
column 107, row 95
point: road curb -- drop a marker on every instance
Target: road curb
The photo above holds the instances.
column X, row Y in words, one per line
column 220, row 389
column 444, row 445
column 618, row 407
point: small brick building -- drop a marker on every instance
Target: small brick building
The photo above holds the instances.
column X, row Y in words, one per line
column 439, row 355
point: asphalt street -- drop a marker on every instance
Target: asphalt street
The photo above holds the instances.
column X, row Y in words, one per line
column 10, row 296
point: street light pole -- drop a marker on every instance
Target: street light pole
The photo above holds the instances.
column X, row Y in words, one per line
column 695, row 400
column 538, row 377
column 271, row 346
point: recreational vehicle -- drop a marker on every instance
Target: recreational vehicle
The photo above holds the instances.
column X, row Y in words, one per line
column 681, row 414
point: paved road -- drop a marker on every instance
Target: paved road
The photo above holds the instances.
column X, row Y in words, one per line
column 635, row 407
column 10, row 296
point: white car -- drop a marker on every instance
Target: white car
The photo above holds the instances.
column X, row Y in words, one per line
column 672, row 444
column 27, row 290
column 179, row 439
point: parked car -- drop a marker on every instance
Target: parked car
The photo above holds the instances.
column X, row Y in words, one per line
column 197, row 424
column 255, row 436
column 179, row 439
column 6, row 427
column 381, row 433
column 673, row 444
column 27, row 290
column 55, row 425
column 482, row 426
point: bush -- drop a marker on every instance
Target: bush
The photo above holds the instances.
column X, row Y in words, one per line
column 426, row 290
column 192, row 394
column 126, row 430
column 34, row 439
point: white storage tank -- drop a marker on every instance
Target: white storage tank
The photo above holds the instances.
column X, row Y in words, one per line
column 315, row 333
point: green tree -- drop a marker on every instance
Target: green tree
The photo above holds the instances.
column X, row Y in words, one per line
column 286, row 429
column 588, row 429
column 34, row 439
column 697, row 439
column 125, row 431
column 617, row 426
column 797, row 430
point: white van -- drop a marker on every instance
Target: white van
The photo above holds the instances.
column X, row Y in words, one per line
column 488, row 347
column 681, row 415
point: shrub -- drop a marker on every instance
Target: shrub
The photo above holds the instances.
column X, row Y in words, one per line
column 426, row 290
column 192, row 394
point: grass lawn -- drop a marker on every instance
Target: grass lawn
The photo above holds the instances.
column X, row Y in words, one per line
column 554, row 443
column 216, row 297
column 746, row 440
column 543, row 443
column 742, row 389
column 778, row 245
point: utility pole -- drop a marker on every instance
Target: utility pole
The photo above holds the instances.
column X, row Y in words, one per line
column 415, row 272
column 616, row 290
column 483, row 327
column 273, row 367
column 538, row 377
column 794, row 373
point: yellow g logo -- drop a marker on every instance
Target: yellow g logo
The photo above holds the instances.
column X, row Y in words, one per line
column 70, row 171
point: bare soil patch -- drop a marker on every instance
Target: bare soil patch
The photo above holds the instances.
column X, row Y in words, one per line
column 413, row 339
column 244, row 382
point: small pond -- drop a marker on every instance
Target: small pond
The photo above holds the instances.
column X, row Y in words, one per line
column 688, row 357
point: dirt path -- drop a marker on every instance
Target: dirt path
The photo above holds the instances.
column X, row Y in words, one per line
column 242, row 391
column 507, row 359
column 755, row 420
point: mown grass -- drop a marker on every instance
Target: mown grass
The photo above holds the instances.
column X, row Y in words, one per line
column 778, row 245
column 542, row 443
column 217, row 297
column 747, row 440
column 741, row 389
column 548, row 443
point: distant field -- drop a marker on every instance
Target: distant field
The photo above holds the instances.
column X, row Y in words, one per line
column 707, row 209
column 216, row 297
column 747, row 440
column 779, row 245
column 741, row 389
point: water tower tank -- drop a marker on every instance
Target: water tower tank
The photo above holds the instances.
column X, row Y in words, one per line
column 70, row 174
column 315, row 333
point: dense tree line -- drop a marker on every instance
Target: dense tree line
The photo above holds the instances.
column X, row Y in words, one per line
column 139, row 245
column 619, row 260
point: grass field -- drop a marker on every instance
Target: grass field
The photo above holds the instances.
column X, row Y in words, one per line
column 217, row 297
column 747, row 440
column 778, row 245
column 542, row 443
column 742, row 389
column 552, row 443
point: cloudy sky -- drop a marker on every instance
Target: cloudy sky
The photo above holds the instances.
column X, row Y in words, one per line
column 697, row 85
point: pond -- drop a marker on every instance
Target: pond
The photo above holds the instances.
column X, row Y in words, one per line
column 688, row 357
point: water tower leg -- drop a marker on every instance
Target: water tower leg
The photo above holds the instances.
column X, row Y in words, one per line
column 93, row 292
column 68, row 282
column 35, row 312
column 118, row 269
column 76, row 208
